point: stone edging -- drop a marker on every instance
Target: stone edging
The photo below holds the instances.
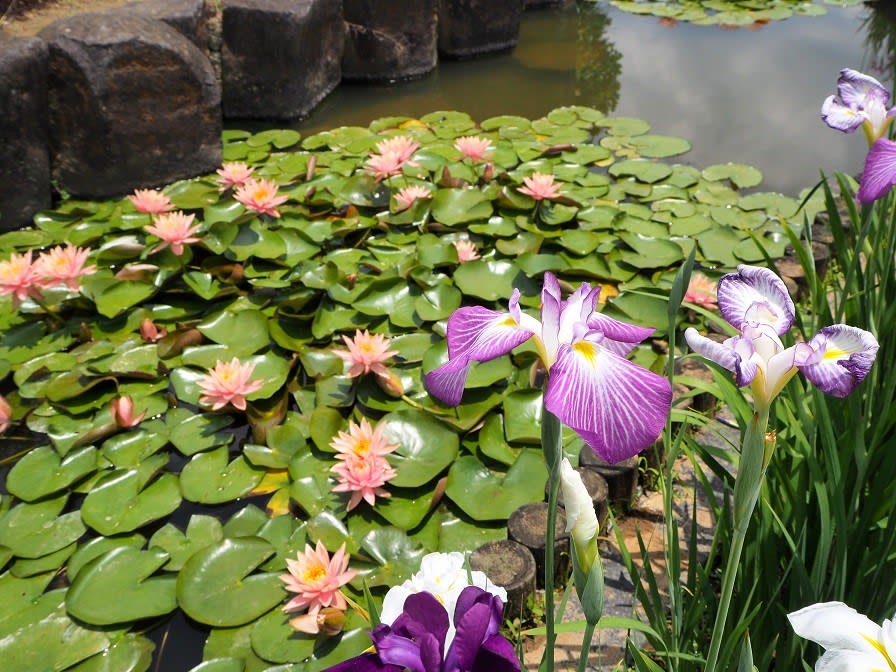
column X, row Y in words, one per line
column 101, row 103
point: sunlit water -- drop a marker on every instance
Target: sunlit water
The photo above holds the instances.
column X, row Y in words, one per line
column 748, row 96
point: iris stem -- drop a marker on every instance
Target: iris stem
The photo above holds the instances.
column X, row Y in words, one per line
column 753, row 460
column 551, row 444
column 586, row 645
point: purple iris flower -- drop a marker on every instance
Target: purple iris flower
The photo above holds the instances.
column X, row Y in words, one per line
column 862, row 101
column 618, row 407
column 755, row 302
column 416, row 639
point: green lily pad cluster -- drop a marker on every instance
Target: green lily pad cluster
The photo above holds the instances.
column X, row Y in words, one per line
column 108, row 529
column 729, row 13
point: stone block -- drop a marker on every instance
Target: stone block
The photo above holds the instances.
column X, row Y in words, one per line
column 389, row 40
column 24, row 156
column 279, row 58
column 133, row 103
column 471, row 27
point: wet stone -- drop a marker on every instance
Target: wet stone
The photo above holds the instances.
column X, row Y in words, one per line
column 279, row 58
column 24, row 160
column 388, row 40
column 471, row 27
column 133, row 103
column 528, row 526
column 621, row 478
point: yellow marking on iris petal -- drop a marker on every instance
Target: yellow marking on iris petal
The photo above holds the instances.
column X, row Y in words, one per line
column 880, row 647
column 508, row 322
column 835, row 354
column 587, row 350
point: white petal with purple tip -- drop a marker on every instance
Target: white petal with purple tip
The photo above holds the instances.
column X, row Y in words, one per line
column 722, row 354
column 839, row 116
column 840, row 358
column 618, row 407
column 857, row 89
column 755, row 295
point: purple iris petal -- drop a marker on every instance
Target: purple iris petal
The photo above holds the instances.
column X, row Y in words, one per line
column 840, row 359
column 496, row 655
column 755, row 295
column 475, row 334
column 879, row 174
column 366, row 662
column 618, row 407
column 722, row 354
column 857, row 89
column 615, row 330
column 841, row 117
column 477, row 643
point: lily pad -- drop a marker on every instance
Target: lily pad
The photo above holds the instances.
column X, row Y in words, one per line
column 208, row 478
column 487, row 495
column 425, row 447
column 126, row 499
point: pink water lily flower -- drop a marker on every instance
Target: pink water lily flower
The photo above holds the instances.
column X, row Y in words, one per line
column 402, row 146
column 316, row 579
column 150, row 201
column 616, row 406
column 540, row 186
column 19, row 278
column 473, row 147
column 755, row 301
column 63, row 266
column 406, row 197
column 122, row 409
column 366, row 353
column 466, row 251
column 701, row 291
column 5, row 414
column 260, row 196
column 393, row 154
column 364, row 476
column 362, row 440
column 174, row 229
column 228, row 383
column 233, row 174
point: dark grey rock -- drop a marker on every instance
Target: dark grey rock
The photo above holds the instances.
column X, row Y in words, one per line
column 24, row 157
column 472, row 27
column 389, row 40
column 133, row 103
column 280, row 58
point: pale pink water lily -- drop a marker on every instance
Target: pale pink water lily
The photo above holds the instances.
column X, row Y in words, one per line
column 402, row 146
column 393, row 154
column 473, row 147
column 5, row 414
column 19, row 278
column 316, row 579
column 540, row 186
column 852, row 641
column 228, row 383
column 233, row 174
column 362, row 439
column 701, row 291
column 755, row 301
column 616, row 406
column 174, row 229
column 260, row 196
column 364, row 476
column 63, row 266
column 366, row 353
column 406, row 197
column 150, row 201
column 466, row 251
column 122, row 409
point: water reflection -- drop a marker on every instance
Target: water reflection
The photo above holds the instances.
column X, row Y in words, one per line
column 738, row 95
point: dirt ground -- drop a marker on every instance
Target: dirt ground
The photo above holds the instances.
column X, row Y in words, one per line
column 28, row 17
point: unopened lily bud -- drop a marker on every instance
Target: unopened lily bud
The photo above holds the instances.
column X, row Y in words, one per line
column 150, row 333
column 489, row 171
column 389, row 383
column 330, row 621
column 123, row 412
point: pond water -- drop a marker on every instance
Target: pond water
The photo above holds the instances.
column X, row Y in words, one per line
column 747, row 96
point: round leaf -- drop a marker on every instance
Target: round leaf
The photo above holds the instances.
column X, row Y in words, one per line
column 487, row 495
column 425, row 447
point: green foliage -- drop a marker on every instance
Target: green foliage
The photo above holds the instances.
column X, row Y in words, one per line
column 728, row 13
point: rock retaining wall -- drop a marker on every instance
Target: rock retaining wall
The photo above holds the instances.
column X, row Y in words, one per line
column 102, row 103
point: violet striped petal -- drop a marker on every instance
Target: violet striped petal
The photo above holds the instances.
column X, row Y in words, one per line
column 551, row 310
column 856, row 89
column 618, row 407
column 617, row 330
column 755, row 295
column 840, row 359
column 722, row 354
column 879, row 173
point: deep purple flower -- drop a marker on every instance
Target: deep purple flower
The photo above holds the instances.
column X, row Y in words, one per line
column 416, row 639
column 618, row 407
column 879, row 173
column 755, row 302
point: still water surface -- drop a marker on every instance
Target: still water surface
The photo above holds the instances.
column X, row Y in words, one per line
column 748, row 96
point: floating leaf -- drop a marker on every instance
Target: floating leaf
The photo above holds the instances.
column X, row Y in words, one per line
column 124, row 501
column 34, row 530
column 425, row 447
column 208, row 479
column 486, row 495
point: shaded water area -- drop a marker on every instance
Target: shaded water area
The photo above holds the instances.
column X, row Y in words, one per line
column 747, row 95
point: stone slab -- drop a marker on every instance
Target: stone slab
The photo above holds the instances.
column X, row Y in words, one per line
column 471, row 27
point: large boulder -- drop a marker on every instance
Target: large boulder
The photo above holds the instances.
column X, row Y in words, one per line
column 133, row 103
column 24, row 159
column 389, row 40
column 279, row 58
column 472, row 27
